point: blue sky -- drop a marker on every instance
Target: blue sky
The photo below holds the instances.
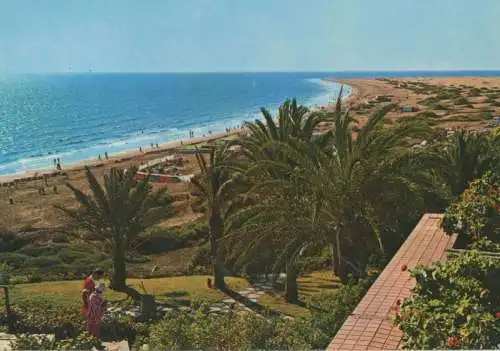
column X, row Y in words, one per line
column 248, row 35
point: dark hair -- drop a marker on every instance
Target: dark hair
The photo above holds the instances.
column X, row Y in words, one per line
column 99, row 271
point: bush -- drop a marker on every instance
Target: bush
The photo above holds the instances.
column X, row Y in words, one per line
column 37, row 318
column 39, row 250
column 61, row 238
column 43, row 342
column 160, row 239
column 461, row 101
column 227, row 331
column 33, row 342
column 439, row 107
column 329, row 310
column 13, row 259
column 427, row 114
column 44, row 262
column 455, row 305
column 475, row 92
column 68, row 255
column 200, row 261
column 477, row 213
column 10, row 241
column 82, row 342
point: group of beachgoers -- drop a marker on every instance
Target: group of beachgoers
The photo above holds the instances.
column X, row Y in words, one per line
column 57, row 163
column 94, row 306
column 106, row 156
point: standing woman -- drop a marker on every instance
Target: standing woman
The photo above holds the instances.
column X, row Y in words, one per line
column 88, row 288
column 97, row 309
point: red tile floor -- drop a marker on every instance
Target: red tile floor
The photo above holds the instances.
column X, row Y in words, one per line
column 370, row 325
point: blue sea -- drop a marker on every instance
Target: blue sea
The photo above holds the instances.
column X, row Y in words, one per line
column 76, row 117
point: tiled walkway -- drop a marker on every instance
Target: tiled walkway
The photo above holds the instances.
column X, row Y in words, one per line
column 370, row 325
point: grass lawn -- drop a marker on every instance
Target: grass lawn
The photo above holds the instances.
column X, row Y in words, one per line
column 176, row 291
column 309, row 285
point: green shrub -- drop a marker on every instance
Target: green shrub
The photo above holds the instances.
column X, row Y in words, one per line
column 69, row 255
column 427, row 114
column 475, row 92
column 200, row 260
column 39, row 250
column 61, row 238
column 477, row 213
column 227, row 331
column 44, row 262
column 329, row 310
column 13, row 259
column 33, row 342
column 43, row 342
column 49, row 317
column 10, row 241
column 161, row 239
column 462, row 100
column 82, row 342
column 455, row 305
column 439, row 107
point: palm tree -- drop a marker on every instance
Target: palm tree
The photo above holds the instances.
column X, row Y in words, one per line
column 364, row 169
column 213, row 190
column 350, row 178
column 292, row 122
column 465, row 158
column 267, row 222
column 115, row 213
column 276, row 222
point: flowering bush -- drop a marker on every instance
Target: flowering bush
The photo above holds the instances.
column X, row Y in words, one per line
column 477, row 213
column 455, row 305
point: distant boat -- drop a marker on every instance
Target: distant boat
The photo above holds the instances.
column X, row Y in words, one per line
column 70, row 69
column 90, row 70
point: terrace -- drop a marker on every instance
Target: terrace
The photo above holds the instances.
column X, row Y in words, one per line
column 370, row 326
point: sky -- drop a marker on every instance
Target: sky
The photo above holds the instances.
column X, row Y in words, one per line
column 248, row 35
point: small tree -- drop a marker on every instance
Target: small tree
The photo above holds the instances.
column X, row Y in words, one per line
column 115, row 213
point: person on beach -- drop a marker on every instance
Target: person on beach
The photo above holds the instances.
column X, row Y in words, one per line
column 97, row 309
column 88, row 288
column 106, row 155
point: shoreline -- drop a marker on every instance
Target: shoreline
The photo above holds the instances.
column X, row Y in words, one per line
column 126, row 155
column 132, row 154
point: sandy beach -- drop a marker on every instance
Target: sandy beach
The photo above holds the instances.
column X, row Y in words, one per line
column 31, row 210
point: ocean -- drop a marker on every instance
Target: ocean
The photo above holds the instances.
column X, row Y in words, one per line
column 76, row 117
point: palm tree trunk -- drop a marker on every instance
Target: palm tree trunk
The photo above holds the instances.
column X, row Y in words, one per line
column 215, row 225
column 219, row 274
column 119, row 272
column 340, row 266
column 291, row 287
column 334, row 263
column 118, row 279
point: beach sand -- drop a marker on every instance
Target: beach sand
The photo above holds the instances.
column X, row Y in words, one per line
column 32, row 211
